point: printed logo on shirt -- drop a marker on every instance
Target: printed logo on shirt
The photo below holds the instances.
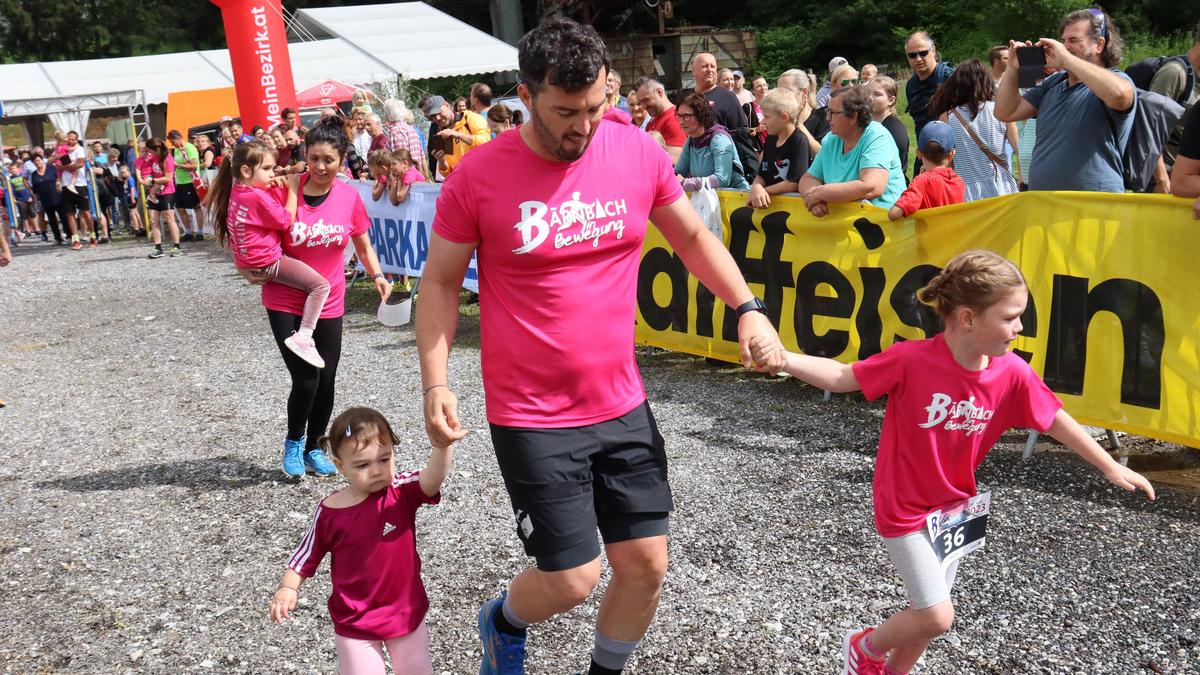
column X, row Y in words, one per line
column 387, row 528
column 958, row 416
column 574, row 222
column 781, row 168
column 319, row 233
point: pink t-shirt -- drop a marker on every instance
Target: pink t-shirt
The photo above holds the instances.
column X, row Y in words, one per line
column 940, row 422
column 413, row 175
column 256, row 219
column 375, row 571
column 558, row 251
column 318, row 238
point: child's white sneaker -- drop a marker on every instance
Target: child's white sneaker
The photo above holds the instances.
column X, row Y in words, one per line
column 305, row 348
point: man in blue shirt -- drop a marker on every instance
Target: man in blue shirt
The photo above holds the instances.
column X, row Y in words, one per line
column 1084, row 109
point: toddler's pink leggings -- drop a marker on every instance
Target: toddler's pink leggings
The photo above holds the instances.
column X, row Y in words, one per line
column 410, row 654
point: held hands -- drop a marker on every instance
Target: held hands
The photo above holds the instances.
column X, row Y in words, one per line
column 815, row 202
column 282, row 603
column 1129, row 480
column 441, row 417
column 759, row 344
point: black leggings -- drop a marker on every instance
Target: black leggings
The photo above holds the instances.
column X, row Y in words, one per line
column 53, row 215
column 310, row 404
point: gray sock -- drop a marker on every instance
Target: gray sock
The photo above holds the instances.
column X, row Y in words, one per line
column 610, row 653
column 511, row 617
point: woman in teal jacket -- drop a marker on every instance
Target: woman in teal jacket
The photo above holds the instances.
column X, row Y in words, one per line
column 709, row 156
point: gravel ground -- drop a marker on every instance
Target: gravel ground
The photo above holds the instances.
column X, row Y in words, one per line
column 143, row 524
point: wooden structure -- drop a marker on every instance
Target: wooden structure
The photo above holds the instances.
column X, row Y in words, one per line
column 667, row 57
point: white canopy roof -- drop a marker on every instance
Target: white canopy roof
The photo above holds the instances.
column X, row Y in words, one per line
column 369, row 43
column 412, row 39
column 160, row 74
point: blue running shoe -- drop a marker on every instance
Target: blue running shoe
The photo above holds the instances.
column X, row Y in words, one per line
column 316, row 462
column 293, row 458
column 503, row 654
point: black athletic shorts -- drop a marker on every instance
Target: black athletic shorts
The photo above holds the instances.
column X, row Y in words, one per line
column 564, row 483
column 186, row 197
column 77, row 199
column 163, row 203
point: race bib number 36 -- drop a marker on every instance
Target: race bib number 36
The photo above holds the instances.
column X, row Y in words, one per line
column 959, row 529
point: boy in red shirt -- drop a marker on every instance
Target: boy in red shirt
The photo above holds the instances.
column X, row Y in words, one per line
column 937, row 184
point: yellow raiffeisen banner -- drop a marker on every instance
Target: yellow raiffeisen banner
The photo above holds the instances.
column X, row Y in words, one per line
column 1114, row 282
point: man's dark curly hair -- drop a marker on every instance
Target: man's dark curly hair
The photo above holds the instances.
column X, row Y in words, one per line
column 562, row 53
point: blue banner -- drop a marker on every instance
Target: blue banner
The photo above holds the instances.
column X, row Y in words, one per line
column 401, row 234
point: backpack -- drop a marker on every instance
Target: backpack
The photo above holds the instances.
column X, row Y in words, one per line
column 1143, row 72
column 1154, row 117
column 747, row 147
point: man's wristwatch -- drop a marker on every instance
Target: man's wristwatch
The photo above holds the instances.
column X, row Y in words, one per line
column 751, row 305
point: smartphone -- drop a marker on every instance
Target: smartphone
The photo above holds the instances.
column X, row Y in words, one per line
column 1032, row 62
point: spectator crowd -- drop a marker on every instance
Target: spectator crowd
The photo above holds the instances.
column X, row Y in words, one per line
column 1068, row 120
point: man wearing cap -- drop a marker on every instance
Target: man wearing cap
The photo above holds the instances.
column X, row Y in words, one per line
column 927, row 75
column 458, row 134
column 937, row 185
column 743, row 94
column 827, row 88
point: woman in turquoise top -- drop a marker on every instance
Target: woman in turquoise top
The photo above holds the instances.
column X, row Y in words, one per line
column 858, row 160
column 709, row 156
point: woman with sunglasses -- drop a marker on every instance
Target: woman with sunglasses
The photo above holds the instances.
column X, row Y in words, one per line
column 857, row 162
column 709, row 157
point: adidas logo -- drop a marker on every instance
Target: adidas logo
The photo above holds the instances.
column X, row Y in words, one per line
column 387, row 527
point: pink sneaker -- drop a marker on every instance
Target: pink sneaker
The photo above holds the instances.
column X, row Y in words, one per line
column 855, row 659
column 305, row 348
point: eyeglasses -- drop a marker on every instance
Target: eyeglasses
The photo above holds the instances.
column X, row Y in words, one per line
column 848, row 82
column 1099, row 14
column 833, row 112
column 918, row 55
column 684, row 116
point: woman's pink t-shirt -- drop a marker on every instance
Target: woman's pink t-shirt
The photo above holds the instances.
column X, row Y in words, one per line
column 558, row 250
column 256, row 220
column 941, row 420
column 318, row 238
column 376, row 572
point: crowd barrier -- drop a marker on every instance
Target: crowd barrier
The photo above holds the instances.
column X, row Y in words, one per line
column 1112, row 324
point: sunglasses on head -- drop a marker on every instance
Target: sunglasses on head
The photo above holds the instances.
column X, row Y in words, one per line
column 1099, row 14
column 918, row 55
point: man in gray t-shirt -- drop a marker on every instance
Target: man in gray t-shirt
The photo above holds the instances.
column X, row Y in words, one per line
column 1084, row 113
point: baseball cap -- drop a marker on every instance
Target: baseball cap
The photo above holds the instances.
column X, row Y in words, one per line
column 937, row 132
column 738, row 75
column 836, row 62
column 433, row 104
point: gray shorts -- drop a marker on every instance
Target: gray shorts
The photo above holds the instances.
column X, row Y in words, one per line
column 920, row 569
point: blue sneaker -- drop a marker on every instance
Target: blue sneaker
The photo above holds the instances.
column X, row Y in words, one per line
column 316, row 462
column 293, row 458
column 503, row 654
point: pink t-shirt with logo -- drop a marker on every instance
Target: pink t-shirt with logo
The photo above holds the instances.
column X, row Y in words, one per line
column 558, row 251
column 375, row 571
column 941, row 420
column 256, row 219
column 318, row 238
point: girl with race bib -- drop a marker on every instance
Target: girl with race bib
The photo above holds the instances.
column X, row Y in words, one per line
column 369, row 529
column 950, row 398
column 248, row 213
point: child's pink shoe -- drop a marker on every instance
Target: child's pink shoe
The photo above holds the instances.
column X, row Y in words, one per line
column 305, row 348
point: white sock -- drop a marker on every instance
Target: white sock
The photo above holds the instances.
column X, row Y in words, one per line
column 305, row 333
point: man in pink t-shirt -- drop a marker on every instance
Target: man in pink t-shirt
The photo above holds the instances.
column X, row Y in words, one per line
column 558, row 234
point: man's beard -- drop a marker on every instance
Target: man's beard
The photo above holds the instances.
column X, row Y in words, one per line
column 555, row 145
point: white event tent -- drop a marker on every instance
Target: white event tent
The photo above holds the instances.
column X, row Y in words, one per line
column 372, row 43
